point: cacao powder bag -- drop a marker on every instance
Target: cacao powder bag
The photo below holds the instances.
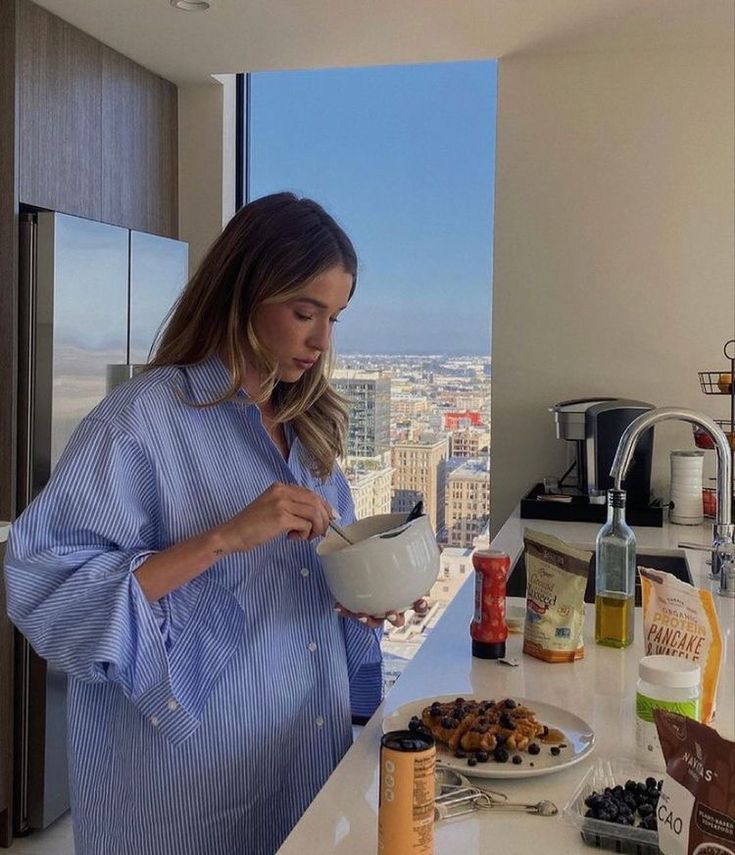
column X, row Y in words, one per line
column 696, row 808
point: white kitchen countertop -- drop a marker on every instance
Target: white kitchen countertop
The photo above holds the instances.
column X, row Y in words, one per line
column 599, row 688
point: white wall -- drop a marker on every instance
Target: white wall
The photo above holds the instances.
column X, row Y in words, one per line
column 206, row 162
column 614, row 240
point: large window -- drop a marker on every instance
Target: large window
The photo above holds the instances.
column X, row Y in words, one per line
column 403, row 157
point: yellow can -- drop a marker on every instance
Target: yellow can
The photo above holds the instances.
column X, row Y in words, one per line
column 406, row 805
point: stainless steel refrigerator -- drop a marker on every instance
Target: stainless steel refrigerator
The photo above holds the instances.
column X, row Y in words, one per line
column 91, row 296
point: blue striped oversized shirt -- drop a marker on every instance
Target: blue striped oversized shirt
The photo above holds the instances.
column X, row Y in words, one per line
column 205, row 723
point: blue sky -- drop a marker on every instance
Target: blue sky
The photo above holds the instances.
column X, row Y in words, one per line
column 404, row 158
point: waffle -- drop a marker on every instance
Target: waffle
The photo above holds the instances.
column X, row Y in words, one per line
column 447, row 722
column 482, row 725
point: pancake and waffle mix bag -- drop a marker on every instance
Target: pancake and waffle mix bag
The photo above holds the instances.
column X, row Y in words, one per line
column 680, row 620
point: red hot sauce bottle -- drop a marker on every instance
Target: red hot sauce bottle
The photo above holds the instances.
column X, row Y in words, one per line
column 488, row 628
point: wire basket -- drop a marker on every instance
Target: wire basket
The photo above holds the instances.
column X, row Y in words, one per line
column 716, row 382
column 703, row 440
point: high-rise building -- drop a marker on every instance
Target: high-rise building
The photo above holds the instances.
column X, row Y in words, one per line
column 467, row 502
column 470, row 442
column 368, row 392
column 455, row 565
column 370, row 485
column 419, row 474
column 455, row 420
column 408, row 405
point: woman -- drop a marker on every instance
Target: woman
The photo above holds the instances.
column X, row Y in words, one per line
column 168, row 567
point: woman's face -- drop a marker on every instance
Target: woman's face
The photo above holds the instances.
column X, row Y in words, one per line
column 298, row 331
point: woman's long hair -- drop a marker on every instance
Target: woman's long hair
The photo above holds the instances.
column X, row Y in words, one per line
column 267, row 253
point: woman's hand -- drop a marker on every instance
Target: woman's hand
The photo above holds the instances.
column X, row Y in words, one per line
column 281, row 508
column 421, row 607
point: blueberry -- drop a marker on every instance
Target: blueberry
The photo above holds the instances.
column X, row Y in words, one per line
column 590, row 814
column 472, row 761
column 605, row 817
column 501, row 738
column 482, row 756
column 618, row 791
column 630, row 784
column 413, row 725
column 534, row 748
column 507, row 722
column 501, row 755
column 517, row 759
column 510, row 704
column 645, row 810
column 460, row 754
column 650, row 783
column 555, row 750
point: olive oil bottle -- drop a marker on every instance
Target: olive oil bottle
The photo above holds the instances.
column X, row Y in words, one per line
column 615, row 576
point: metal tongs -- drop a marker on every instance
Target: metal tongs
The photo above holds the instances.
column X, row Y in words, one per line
column 456, row 796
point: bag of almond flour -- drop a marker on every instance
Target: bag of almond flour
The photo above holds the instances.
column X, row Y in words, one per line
column 556, row 575
column 680, row 620
column 695, row 813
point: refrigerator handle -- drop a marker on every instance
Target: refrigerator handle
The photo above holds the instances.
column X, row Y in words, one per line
column 28, row 228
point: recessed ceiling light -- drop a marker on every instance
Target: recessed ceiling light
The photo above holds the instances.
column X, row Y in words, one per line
column 190, row 5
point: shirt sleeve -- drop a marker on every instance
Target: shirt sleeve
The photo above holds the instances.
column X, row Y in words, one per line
column 71, row 588
column 364, row 655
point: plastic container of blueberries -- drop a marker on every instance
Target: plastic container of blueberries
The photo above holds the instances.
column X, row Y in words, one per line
column 608, row 772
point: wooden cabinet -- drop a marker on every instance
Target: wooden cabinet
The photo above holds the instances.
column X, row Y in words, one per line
column 139, row 147
column 97, row 132
column 59, row 143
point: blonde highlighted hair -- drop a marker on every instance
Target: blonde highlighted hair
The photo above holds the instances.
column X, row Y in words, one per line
column 267, row 253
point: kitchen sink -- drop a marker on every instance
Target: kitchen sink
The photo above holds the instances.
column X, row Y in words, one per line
column 670, row 560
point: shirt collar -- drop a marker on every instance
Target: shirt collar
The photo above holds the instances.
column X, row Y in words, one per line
column 207, row 380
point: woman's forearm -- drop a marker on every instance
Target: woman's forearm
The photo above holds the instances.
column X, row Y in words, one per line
column 171, row 568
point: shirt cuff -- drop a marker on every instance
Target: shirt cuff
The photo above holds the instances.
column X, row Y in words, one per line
column 176, row 682
column 165, row 713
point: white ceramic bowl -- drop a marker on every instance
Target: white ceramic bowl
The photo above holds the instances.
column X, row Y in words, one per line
column 390, row 565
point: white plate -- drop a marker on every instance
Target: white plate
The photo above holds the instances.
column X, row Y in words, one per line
column 579, row 739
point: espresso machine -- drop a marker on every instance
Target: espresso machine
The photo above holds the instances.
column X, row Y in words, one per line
column 595, row 426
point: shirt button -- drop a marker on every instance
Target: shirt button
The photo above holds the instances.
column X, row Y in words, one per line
column 319, row 721
column 173, row 705
column 304, row 571
column 154, row 720
column 312, row 646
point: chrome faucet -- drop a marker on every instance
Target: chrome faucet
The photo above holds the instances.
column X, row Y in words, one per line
column 723, row 533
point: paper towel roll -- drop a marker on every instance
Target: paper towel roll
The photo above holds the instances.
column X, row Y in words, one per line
column 686, row 487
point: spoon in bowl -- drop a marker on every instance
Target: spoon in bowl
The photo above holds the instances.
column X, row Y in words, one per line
column 341, row 532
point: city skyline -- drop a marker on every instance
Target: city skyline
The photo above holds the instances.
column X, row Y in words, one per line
column 389, row 151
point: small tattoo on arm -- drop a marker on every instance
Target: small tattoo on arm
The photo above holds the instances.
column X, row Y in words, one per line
column 219, row 552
